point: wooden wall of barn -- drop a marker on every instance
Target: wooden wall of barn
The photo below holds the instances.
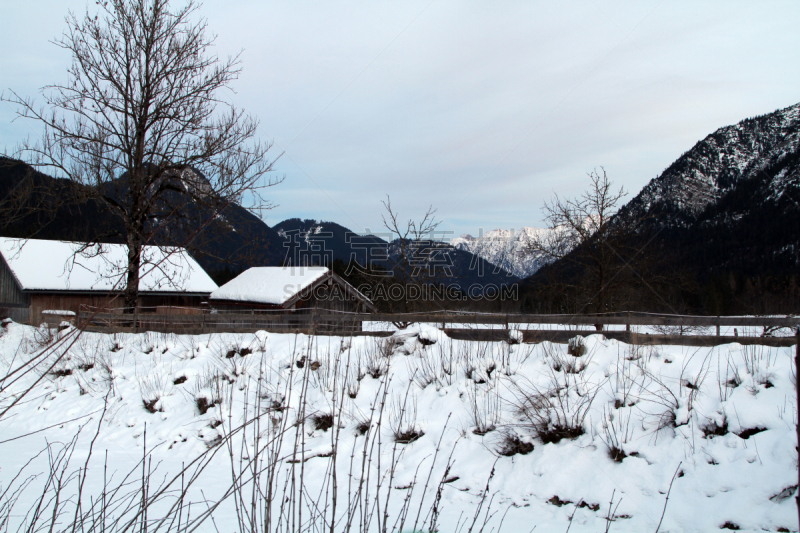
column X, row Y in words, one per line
column 175, row 304
column 10, row 291
column 66, row 301
column 14, row 303
column 351, row 305
column 62, row 302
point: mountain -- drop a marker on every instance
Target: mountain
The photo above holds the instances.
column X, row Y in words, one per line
column 313, row 242
column 39, row 206
column 224, row 240
column 725, row 219
column 504, row 248
column 732, row 202
column 317, row 242
column 757, row 150
column 36, row 205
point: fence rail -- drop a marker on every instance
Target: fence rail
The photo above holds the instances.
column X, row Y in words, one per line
column 346, row 324
column 629, row 319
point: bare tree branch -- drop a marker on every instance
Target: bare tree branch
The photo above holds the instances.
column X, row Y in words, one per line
column 140, row 123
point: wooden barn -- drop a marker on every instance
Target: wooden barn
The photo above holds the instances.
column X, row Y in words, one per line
column 40, row 279
column 292, row 289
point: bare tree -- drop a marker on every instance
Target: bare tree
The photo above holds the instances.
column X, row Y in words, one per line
column 590, row 241
column 413, row 242
column 141, row 124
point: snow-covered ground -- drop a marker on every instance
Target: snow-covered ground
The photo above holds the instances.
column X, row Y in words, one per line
column 730, row 331
column 404, row 431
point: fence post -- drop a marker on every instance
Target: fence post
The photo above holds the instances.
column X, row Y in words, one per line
column 717, row 325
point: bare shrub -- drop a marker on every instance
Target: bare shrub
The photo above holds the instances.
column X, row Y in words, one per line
column 634, row 352
column 117, row 343
column 325, row 366
column 484, row 408
column 407, row 435
column 576, row 346
column 554, row 413
column 715, row 427
column 512, row 357
column 362, row 427
column 149, row 343
column 616, row 431
column 403, row 420
column 563, row 362
column 728, row 380
column 153, row 389
column 209, row 390
column 375, row 358
column 511, row 444
column 447, row 359
column 354, row 377
column 676, row 400
column 234, row 369
column 94, row 373
column 60, row 372
column 666, row 398
column 628, row 381
column 322, row 421
column 44, row 336
column 757, row 360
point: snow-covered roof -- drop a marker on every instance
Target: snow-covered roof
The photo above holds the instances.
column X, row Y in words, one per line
column 269, row 285
column 59, row 266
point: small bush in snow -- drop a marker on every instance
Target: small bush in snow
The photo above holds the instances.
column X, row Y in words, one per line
column 376, row 364
column 426, row 338
column 322, row 421
column 616, row 431
column 484, row 408
column 511, row 445
column 61, row 372
column 209, row 391
column 408, row 435
column 43, row 336
column 514, row 337
column 153, row 389
column 716, row 428
column 403, row 421
column 203, row 404
column 576, row 346
column 561, row 362
column 362, row 427
column 555, row 413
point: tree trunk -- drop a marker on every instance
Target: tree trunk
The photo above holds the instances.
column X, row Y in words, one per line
column 132, row 285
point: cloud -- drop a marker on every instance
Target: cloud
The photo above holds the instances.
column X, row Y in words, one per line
column 482, row 110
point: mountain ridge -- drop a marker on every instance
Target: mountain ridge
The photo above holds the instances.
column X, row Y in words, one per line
column 716, row 164
column 724, row 218
column 505, row 248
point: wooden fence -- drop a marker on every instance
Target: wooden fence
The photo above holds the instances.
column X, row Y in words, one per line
column 324, row 322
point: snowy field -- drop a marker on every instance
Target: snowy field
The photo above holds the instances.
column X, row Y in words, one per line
column 730, row 331
column 414, row 432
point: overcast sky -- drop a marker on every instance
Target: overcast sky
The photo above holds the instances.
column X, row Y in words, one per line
column 482, row 109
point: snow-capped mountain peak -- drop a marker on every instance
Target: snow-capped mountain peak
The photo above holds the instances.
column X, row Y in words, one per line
column 506, row 248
